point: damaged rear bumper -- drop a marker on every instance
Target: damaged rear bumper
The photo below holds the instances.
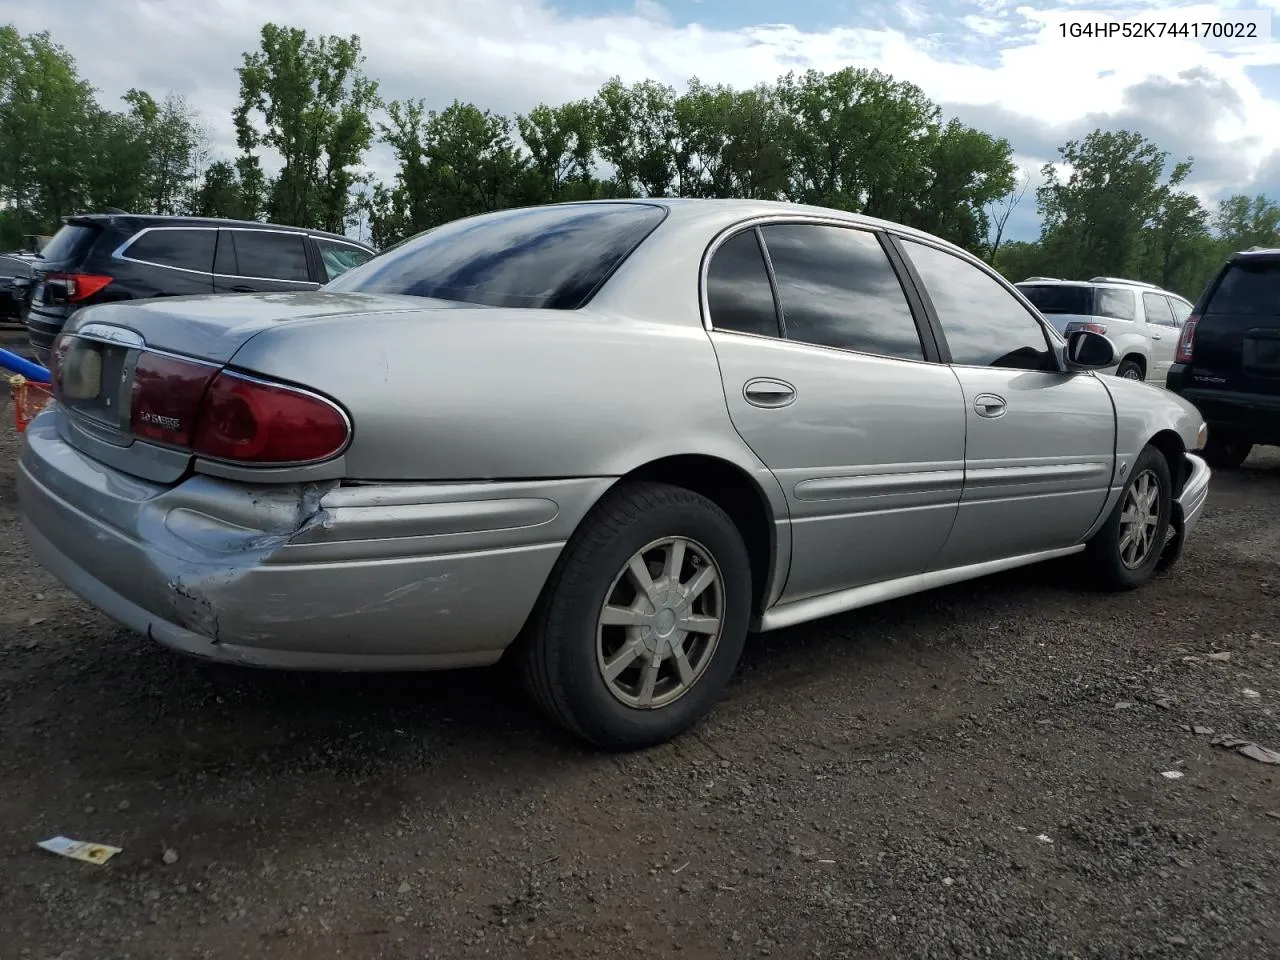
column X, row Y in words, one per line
column 364, row 577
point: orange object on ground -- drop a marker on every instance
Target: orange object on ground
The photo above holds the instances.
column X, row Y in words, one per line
column 29, row 398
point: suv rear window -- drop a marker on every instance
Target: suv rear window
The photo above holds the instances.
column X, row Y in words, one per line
column 69, row 243
column 1060, row 298
column 1249, row 288
column 552, row 257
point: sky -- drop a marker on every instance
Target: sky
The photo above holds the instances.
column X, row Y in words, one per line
column 999, row 65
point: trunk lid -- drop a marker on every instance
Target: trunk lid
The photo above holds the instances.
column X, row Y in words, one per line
column 1237, row 339
column 214, row 327
column 98, row 368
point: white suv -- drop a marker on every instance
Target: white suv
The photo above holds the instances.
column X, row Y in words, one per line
column 1142, row 320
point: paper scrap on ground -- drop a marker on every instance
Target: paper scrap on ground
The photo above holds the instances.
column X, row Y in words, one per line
column 1172, row 774
column 1247, row 748
column 79, row 849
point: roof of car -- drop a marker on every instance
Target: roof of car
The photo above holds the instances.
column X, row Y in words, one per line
column 1100, row 282
column 156, row 220
column 1256, row 253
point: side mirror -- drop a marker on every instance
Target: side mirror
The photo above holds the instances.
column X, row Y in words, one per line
column 1087, row 350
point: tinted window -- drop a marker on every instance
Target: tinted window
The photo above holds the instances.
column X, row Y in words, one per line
column 1157, row 309
column 1060, row 297
column 184, row 249
column 1114, row 303
column 738, row 291
column 551, row 257
column 1181, row 310
column 338, row 258
column 984, row 324
column 70, row 242
column 837, row 289
column 270, row 256
column 1250, row 288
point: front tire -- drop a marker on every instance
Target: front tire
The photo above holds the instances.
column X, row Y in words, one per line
column 1124, row 554
column 1129, row 370
column 643, row 620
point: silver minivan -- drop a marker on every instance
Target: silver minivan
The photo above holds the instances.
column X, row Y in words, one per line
column 1141, row 319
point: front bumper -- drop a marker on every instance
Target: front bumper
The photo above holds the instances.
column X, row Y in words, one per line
column 363, row 577
column 1187, row 508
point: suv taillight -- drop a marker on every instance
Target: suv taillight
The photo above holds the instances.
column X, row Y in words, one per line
column 1186, row 340
column 78, row 286
column 230, row 416
column 1098, row 328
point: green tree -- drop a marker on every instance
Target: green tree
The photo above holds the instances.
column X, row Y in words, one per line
column 313, row 103
column 1095, row 215
column 1242, row 222
column 562, row 149
column 637, row 135
column 220, row 193
column 47, row 113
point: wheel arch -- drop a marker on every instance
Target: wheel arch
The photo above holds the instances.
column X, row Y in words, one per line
column 739, row 495
column 1132, row 355
column 1174, row 451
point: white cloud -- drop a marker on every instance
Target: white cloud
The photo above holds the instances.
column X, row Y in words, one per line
column 509, row 55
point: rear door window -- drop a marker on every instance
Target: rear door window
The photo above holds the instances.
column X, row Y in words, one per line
column 1181, row 310
column 1248, row 288
column 1115, row 303
column 837, row 288
column 267, row 255
column 178, row 249
column 552, row 257
column 1157, row 309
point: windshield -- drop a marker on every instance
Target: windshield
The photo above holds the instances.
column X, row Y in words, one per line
column 552, row 257
column 1059, row 298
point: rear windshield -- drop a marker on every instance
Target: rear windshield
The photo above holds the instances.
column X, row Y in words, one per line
column 1250, row 288
column 552, row 257
column 69, row 243
column 1060, row 298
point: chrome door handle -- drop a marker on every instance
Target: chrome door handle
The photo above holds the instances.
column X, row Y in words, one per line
column 989, row 405
column 1156, row 336
column 764, row 392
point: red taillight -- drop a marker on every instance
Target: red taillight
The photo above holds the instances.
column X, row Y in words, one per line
column 252, row 421
column 165, row 402
column 229, row 416
column 1186, row 340
column 78, row 286
column 1098, row 328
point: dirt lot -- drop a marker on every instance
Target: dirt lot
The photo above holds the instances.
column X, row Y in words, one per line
column 972, row 773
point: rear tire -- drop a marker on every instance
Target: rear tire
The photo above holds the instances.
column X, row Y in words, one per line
column 1129, row 370
column 643, row 620
column 1124, row 554
column 1226, row 453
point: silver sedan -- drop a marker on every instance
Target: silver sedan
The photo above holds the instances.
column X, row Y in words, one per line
column 608, row 439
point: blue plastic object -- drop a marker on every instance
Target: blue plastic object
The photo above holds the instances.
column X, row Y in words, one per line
column 32, row 371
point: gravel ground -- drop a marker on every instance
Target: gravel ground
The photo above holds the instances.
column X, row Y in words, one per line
column 977, row 772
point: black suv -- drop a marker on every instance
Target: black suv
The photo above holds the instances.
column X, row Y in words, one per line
column 101, row 258
column 1228, row 359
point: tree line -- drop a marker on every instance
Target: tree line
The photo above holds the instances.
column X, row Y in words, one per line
column 1113, row 203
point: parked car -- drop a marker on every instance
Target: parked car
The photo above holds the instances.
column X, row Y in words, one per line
column 1141, row 319
column 105, row 258
column 15, row 277
column 608, row 438
column 1228, row 361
